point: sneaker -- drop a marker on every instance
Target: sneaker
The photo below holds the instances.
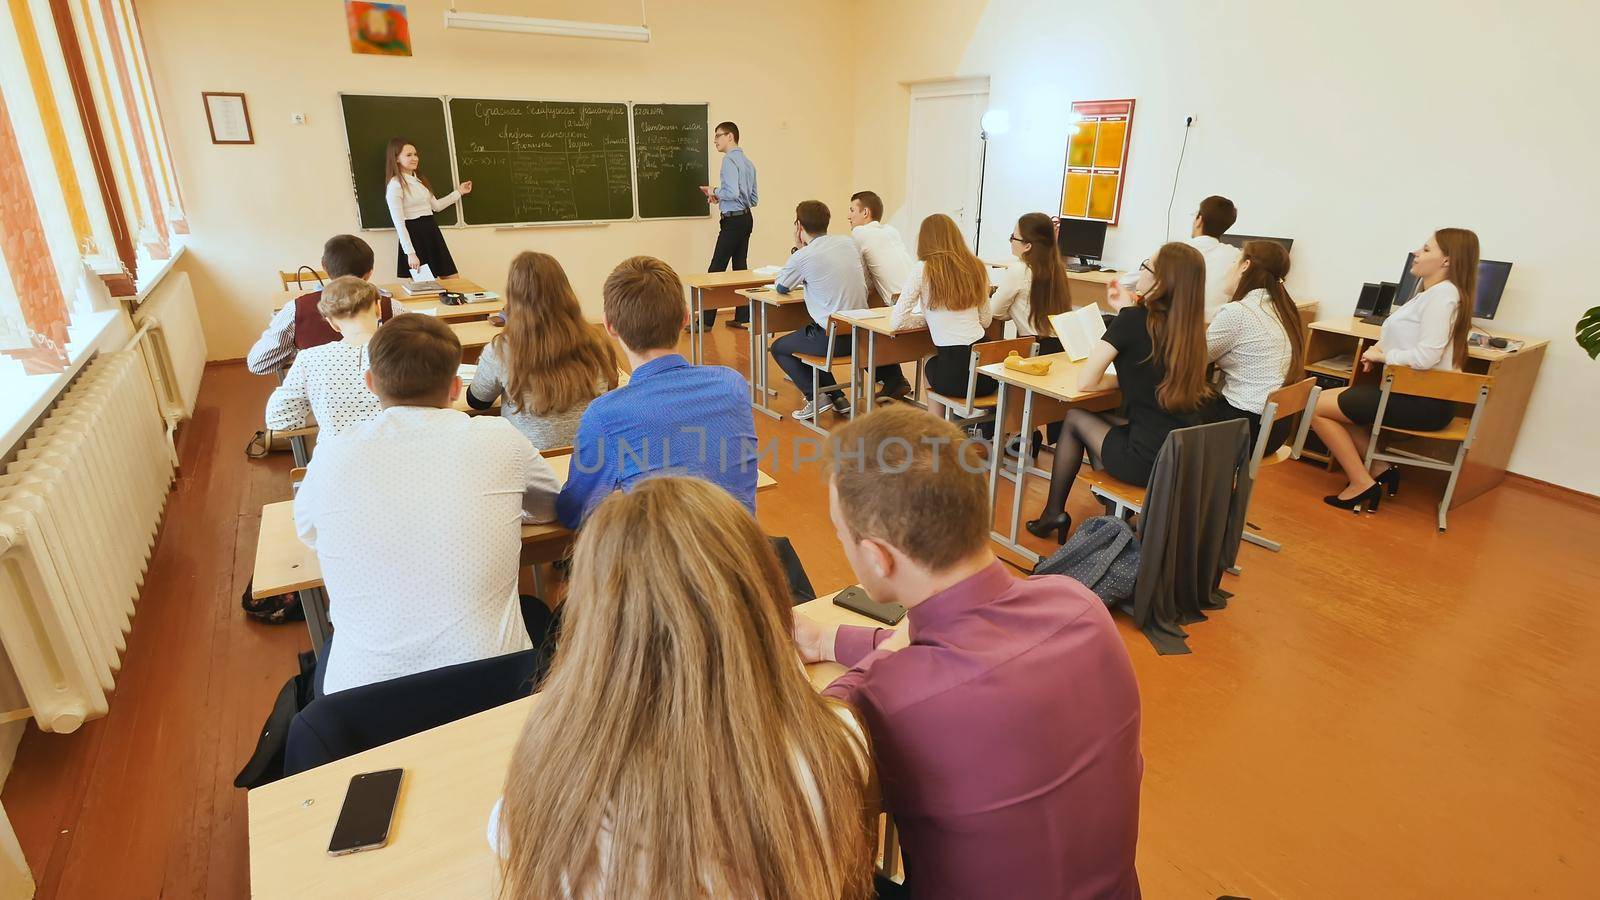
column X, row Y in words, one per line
column 840, row 405
column 809, row 411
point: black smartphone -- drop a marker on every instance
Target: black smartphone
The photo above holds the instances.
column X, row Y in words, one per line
column 856, row 600
column 367, row 812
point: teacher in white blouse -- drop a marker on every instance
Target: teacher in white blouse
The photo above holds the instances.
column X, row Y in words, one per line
column 411, row 206
column 1429, row 332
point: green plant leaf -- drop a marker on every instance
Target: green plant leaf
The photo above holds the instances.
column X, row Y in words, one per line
column 1589, row 333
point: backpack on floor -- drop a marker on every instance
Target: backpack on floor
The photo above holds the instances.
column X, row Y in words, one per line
column 1103, row 554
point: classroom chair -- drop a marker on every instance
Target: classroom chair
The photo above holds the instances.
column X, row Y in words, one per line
column 1458, row 387
column 971, row 409
column 1289, row 400
column 292, row 281
column 826, row 363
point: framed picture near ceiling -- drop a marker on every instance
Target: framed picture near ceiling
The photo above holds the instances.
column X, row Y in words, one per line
column 1097, row 160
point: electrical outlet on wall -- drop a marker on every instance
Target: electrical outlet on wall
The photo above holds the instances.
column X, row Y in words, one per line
column 1188, row 121
column 298, row 118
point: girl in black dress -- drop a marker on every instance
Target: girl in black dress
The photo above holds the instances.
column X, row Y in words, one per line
column 1159, row 346
column 412, row 204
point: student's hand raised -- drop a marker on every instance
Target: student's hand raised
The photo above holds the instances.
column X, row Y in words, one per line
column 813, row 639
column 465, row 188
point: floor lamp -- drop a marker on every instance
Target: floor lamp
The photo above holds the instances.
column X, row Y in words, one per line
column 994, row 122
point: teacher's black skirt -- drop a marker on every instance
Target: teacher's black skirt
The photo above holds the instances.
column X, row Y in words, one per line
column 431, row 249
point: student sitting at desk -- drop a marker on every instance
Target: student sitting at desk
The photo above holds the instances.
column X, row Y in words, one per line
column 549, row 362
column 670, row 417
column 298, row 326
column 1159, row 346
column 884, row 254
column 1006, row 730
column 830, row 268
column 948, row 291
column 416, row 517
column 677, row 749
column 1428, row 332
column 1034, row 286
column 329, row 381
column 1255, row 339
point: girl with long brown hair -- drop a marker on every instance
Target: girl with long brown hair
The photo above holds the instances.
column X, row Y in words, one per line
column 1255, row 338
column 1427, row 332
column 1034, row 287
column 549, row 362
column 677, row 749
column 948, row 291
column 1159, row 346
column 411, row 207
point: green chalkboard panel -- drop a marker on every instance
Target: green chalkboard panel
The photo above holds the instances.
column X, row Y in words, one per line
column 542, row 161
column 369, row 122
column 671, row 158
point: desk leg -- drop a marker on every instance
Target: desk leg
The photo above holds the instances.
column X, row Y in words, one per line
column 762, row 349
column 302, row 456
column 1010, row 539
column 855, row 347
column 314, row 603
column 869, row 378
column 755, row 378
column 997, row 449
column 697, row 328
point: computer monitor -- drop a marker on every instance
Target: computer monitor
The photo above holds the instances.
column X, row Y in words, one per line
column 1367, row 303
column 1492, row 276
column 1082, row 238
column 1238, row 240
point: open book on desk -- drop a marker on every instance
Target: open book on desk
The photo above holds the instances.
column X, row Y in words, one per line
column 1078, row 330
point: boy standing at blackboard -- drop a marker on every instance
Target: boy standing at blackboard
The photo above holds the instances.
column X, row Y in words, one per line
column 734, row 198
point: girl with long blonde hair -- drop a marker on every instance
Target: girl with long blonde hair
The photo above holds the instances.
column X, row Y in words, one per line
column 549, row 362
column 948, row 291
column 678, row 749
column 1159, row 347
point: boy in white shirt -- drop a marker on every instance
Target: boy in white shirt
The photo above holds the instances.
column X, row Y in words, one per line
column 884, row 254
column 1211, row 221
column 421, row 571
column 329, row 380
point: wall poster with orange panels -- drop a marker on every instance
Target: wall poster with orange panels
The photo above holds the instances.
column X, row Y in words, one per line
column 1097, row 160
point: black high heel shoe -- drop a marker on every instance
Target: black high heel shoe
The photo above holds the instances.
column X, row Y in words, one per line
column 1370, row 497
column 1390, row 479
column 1041, row 527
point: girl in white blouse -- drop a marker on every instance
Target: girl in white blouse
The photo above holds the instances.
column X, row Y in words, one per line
column 1429, row 332
column 411, row 206
column 328, row 381
column 948, row 291
column 1034, row 287
column 1255, row 339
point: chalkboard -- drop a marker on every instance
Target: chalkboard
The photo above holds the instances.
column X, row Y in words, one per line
column 542, row 161
column 369, row 122
column 670, row 151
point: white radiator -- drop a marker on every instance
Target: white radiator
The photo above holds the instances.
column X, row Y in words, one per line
column 176, row 350
column 79, row 509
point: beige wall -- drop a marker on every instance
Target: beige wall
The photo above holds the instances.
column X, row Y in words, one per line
column 255, row 209
column 1355, row 140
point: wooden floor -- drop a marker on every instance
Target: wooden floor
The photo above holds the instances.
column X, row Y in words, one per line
column 1383, row 711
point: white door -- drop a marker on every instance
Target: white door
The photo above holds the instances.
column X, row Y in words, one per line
column 943, row 153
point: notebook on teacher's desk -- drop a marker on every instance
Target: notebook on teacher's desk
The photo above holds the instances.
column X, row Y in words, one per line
column 1078, row 330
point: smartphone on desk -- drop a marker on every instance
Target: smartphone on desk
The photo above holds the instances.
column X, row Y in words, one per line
column 856, row 600
column 367, row 813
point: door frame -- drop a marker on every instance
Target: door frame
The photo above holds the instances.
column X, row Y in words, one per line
column 927, row 89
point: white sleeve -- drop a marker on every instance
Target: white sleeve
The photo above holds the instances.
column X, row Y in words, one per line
column 985, row 313
column 444, row 202
column 290, row 403
column 539, row 495
column 1433, row 341
column 1223, row 332
column 907, row 311
column 397, row 212
column 1010, row 290
column 275, row 345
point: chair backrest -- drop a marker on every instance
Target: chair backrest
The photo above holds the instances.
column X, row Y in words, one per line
column 990, row 352
column 1461, row 387
column 292, row 280
column 1289, row 400
column 343, row 723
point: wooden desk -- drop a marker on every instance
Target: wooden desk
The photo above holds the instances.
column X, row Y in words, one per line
column 437, row 845
column 770, row 313
column 715, row 290
column 1025, row 402
column 886, row 346
column 1084, row 288
column 286, row 565
column 423, row 303
column 1514, row 373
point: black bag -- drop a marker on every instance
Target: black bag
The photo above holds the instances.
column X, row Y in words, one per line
column 1103, row 554
column 266, row 763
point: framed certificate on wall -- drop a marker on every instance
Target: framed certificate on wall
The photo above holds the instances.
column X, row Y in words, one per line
column 228, row 117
